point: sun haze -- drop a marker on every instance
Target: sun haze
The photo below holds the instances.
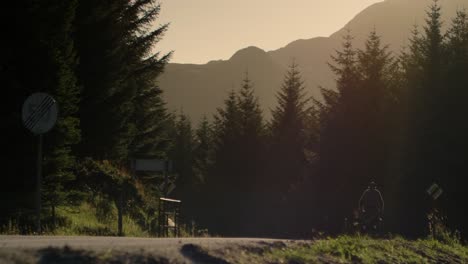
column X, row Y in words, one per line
column 206, row 30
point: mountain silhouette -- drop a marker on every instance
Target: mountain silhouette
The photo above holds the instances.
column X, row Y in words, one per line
column 199, row 89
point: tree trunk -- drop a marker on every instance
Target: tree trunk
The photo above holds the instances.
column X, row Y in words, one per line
column 53, row 218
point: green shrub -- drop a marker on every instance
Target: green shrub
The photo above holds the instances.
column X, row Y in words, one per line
column 438, row 229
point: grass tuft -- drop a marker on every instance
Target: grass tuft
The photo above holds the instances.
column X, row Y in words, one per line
column 362, row 249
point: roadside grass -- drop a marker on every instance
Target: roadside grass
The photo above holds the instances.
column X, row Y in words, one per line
column 83, row 220
column 88, row 219
column 363, row 249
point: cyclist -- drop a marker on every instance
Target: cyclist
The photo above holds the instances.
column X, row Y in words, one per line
column 371, row 205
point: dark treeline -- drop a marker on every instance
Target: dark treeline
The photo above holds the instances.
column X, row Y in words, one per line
column 393, row 118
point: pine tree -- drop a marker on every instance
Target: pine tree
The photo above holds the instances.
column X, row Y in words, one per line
column 287, row 131
column 380, row 132
column 187, row 156
column 374, row 64
column 227, row 134
column 289, row 114
column 203, row 152
column 223, row 183
column 122, row 112
column 227, row 121
column 251, row 159
column 424, row 70
column 345, row 68
column 251, row 114
column 183, row 157
column 333, row 123
column 335, row 131
column 287, row 128
column 152, row 138
column 252, row 130
column 456, row 81
column 59, row 158
column 150, row 116
column 355, row 126
column 288, row 164
column 238, row 147
column 203, row 163
column 105, row 75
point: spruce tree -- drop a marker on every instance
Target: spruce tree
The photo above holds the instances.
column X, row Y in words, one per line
column 380, row 91
column 150, row 115
column 251, row 159
column 183, row 157
column 374, row 64
column 224, row 184
column 183, row 154
column 105, row 75
column 59, row 159
column 227, row 121
column 151, row 138
column 123, row 113
column 456, row 81
column 203, row 151
column 203, row 162
column 238, row 159
column 424, row 70
column 252, row 136
column 227, row 133
column 355, row 126
column 287, row 130
column 288, row 164
column 335, row 132
column 251, row 114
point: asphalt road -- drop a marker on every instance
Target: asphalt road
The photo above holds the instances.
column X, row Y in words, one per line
column 126, row 249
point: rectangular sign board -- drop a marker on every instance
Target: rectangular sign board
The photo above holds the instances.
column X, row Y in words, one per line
column 152, row 165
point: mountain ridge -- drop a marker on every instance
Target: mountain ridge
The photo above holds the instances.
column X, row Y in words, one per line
column 184, row 85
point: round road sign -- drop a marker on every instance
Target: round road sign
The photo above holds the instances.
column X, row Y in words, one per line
column 39, row 113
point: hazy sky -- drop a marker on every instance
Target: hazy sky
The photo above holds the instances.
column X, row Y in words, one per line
column 204, row 30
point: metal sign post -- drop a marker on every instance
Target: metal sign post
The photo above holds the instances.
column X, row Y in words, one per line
column 169, row 217
column 39, row 115
column 169, row 209
column 38, row 186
